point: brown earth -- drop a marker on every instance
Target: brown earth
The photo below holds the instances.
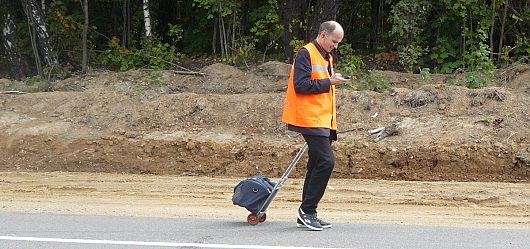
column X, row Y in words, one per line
column 227, row 124
column 463, row 204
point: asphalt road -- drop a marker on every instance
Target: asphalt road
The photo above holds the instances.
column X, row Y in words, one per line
column 67, row 231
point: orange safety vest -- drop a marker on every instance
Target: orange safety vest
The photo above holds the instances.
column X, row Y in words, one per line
column 311, row 110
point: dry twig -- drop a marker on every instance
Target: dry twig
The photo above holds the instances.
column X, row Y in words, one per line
column 12, row 92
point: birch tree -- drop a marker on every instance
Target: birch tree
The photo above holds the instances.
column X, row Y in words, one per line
column 35, row 14
column 147, row 19
column 8, row 26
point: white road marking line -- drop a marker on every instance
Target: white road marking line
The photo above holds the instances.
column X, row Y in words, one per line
column 147, row 243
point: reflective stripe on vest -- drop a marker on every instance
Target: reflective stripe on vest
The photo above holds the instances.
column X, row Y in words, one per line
column 311, row 110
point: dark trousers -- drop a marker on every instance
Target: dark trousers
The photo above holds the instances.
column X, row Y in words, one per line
column 319, row 168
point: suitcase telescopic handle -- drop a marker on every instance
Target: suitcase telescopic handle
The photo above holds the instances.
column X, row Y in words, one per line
column 282, row 180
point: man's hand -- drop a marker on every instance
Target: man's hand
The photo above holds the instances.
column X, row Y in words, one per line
column 337, row 79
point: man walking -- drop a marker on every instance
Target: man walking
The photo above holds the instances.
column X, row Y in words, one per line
column 310, row 109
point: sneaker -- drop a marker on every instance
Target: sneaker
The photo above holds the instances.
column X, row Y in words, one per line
column 309, row 220
column 324, row 224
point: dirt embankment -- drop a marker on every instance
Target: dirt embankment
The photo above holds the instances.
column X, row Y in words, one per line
column 228, row 124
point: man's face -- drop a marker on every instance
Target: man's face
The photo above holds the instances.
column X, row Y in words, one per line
column 331, row 40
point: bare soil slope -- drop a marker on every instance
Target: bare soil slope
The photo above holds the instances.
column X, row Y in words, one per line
column 228, row 124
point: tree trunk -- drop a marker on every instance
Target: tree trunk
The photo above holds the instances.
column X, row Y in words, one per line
column 501, row 39
column 147, row 19
column 84, row 62
column 221, row 39
column 323, row 10
column 34, row 12
column 222, row 33
column 8, row 27
column 33, row 38
column 291, row 15
column 234, row 27
column 492, row 29
column 374, row 37
column 126, row 35
column 214, row 36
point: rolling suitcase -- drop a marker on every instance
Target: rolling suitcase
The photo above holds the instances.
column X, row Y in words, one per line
column 256, row 193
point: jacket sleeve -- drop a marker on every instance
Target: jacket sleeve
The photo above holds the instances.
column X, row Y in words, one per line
column 302, row 76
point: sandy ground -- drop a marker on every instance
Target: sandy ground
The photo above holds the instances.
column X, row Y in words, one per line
column 462, row 204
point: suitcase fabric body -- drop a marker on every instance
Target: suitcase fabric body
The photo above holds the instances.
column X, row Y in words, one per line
column 256, row 193
column 252, row 192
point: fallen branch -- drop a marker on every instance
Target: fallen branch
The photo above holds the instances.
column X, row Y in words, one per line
column 179, row 72
column 383, row 132
column 12, row 92
column 508, row 139
column 373, row 131
column 172, row 64
column 189, row 73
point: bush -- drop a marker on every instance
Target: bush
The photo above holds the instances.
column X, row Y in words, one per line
column 350, row 64
column 154, row 54
column 369, row 81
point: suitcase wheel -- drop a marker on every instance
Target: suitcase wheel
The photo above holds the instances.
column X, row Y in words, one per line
column 252, row 219
column 263, row 217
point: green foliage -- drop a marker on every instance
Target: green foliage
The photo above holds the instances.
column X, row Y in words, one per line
column 475, row 81
column 370, row 81
column 468, row 48
column 37, row 84
column 175, row 32
column 522, row 47
column 349, row 141
column 350, row 64
column 154, row 77
column 266, row 21
column 487, row 121
column 267, row 29
column 152, row 54
column 425, row 75
column 408, row 17
column 296, row 45
column 32, row 80
column 445, row 54
column 245, row 50
column 443, row 35
column 409, row 55
column 376, row 82
column 118, row 56
column 159, row 54
column 454, row 82
column 68, row 30
column 215, row 7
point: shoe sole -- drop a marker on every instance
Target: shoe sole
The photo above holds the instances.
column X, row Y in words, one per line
column 310, row 227
column 298, row 225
